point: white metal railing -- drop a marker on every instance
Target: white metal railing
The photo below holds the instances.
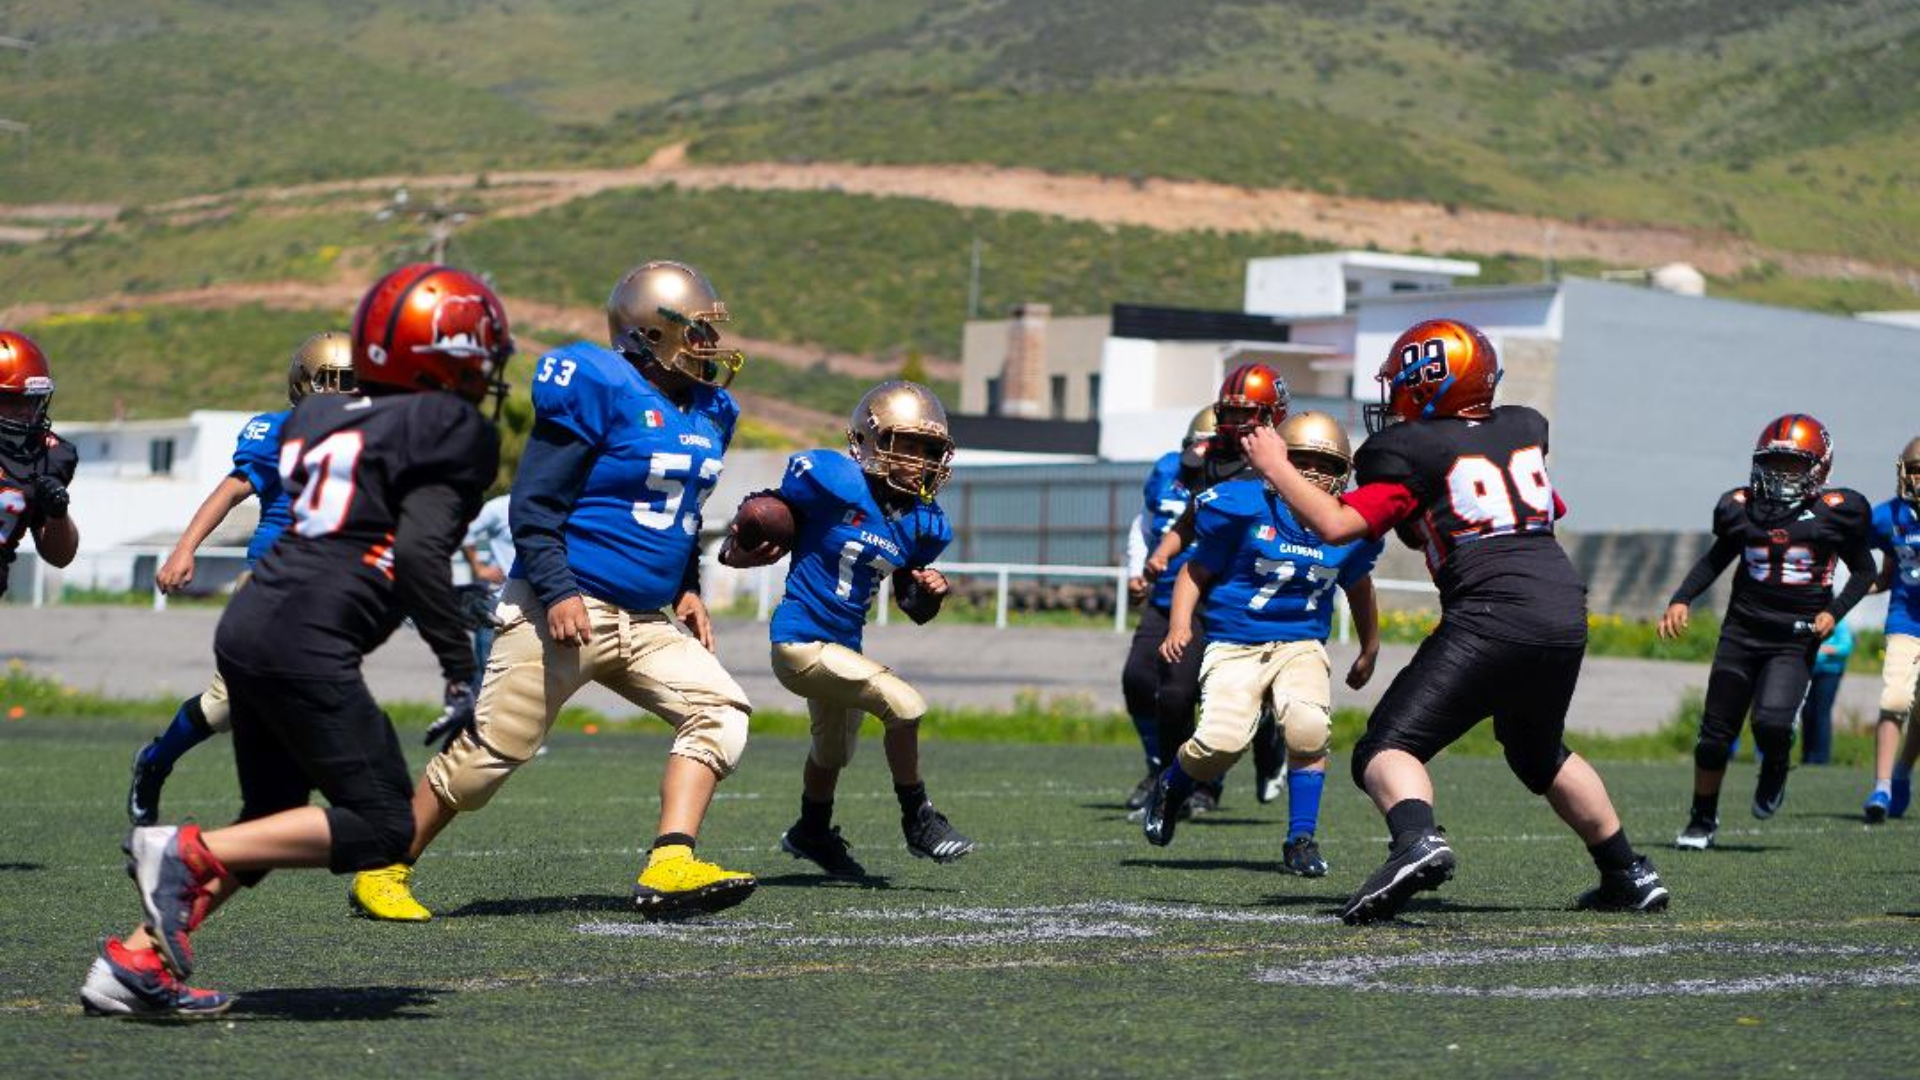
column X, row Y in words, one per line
column 159, row 555
column 767, row 587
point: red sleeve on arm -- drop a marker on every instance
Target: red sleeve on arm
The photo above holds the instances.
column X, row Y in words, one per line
column 1559, row 507
column 1384, row 505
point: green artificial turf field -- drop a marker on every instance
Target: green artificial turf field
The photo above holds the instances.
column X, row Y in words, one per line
column 1064, row 946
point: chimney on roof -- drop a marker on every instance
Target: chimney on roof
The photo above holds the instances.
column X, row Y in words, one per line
column 1023, row 381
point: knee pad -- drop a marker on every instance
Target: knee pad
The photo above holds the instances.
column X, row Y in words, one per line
column 1710, row 753
column 215, row 710
column 1772, row 739
column 1535, row 768
column 467, row 773
column 1205, row 763
column 1308, row 727
column 903, row 704
column 715, row 737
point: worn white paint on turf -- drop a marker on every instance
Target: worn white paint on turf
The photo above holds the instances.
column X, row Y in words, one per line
column 1868, row 966
column 986, row 927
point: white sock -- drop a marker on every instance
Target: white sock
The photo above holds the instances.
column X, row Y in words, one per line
column 1883, row 787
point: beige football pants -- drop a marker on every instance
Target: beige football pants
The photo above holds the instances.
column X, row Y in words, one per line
column 639, row 655
column 1236, row 679
column 1898, row 675
column 841, row 687
column 213, row 701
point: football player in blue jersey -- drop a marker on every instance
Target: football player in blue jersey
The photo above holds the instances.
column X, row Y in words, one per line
column 861, row 518
column 1896, row 532
column 1267, row 580
column 323, row 364
column 1165, row 498
column 605, row 515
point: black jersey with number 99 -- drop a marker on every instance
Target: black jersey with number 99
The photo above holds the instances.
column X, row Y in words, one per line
column 324, row 595
column 1485, row 522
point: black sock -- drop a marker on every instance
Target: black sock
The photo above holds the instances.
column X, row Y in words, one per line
column 1613, row 853
column 1707, row 806
column 1408, row 818
column 672, row 838
column 815, row 817
column 197, row 716
column 912, row 797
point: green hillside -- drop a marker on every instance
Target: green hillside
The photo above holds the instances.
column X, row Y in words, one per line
column 1792, row 124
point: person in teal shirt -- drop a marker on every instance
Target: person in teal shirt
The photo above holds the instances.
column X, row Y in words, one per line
column 1816, row 715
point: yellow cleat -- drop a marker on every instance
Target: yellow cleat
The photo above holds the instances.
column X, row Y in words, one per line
column 675, row 885
column 383, row 894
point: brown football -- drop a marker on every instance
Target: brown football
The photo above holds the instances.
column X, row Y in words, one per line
column 763, row 519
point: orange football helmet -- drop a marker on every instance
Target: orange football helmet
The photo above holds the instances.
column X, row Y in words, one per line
column 1440, row 367
column 26, row 390
column 1791, row 459
column 1253, row 396
column 426, row 327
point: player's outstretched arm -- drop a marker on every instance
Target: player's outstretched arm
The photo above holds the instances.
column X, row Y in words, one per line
column 1861, row 573
column 1364, row 604
column 1187, row 587
column 177, row 572
column 433, row 520
column 1325, row 514
column 1177, row 537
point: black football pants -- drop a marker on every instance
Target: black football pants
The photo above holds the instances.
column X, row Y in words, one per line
column 1768, row 678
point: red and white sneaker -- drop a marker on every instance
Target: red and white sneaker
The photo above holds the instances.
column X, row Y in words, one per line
column 123, row 982
column 172, row 869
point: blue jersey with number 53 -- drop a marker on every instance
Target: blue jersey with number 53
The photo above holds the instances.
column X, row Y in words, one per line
column 844, row 544
column 256, row 459
column 1896, row 531
column 636, row 523
column 1273, row 578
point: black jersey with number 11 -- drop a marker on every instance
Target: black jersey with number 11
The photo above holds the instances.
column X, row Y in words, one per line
column 358, row 471
column 1485, row 521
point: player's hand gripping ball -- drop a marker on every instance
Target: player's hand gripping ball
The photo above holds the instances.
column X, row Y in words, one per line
column 762, row 532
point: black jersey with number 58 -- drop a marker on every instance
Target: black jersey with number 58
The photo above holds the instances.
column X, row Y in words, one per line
column 325, row 594
column 1485, row 521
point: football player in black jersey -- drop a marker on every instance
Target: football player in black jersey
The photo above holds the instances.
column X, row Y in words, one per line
column 1252, row 395
column 1467, row 482
column 1787, row 532
column 35, row 464
column 382, row 488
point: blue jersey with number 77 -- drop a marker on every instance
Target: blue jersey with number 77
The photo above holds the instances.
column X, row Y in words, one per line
column 636, row 523
column 1273, row 578
column 844, row 544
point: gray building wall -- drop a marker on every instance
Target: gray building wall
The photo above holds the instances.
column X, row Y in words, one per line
column 1659, row 398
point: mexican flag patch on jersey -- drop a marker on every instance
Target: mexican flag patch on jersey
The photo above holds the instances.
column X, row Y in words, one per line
column 1265, row 532
column 653, row 418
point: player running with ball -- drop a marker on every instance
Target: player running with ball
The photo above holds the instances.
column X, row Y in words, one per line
column 1468, row 483
column 1268, row 584
column 859, row 518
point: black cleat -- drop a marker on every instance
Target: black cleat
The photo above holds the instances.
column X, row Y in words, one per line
column 931, row 836
column 826, row 850
column 1771, row 789
column 1138, row 798
column 1163, row 811
column 1637, row 888
column 1698, row 835
column 1301, row 855
column 1204, row 800
column 1424, row 864
column 143, row 793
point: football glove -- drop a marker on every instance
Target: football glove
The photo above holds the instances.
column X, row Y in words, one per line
column 476, row 606
column 49, row 497
column 456, row 717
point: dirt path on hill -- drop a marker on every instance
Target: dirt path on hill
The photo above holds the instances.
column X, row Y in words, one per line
column 1167, row 205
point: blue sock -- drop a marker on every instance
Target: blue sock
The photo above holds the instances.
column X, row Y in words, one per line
column 188, row 730
column 1148, row 728
column 1303, row 801
column 1179, row 784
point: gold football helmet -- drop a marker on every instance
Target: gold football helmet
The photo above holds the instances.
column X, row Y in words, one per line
column 668, row 312
column 899, row 435
column 1200, row 431
column 1318, row 447
column 1907, row 481
column 323, row 364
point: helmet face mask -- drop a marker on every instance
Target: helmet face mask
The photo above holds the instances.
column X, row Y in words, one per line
column 668, row 314
column 1318, row 447
column 899, row 436
column 1252, row 396
column 1907, row 473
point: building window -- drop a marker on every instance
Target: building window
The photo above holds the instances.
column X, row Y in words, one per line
column 160, row 457
column 993, row 395
column 1058, row 385
column 1406, row 286
column 1093, row 395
